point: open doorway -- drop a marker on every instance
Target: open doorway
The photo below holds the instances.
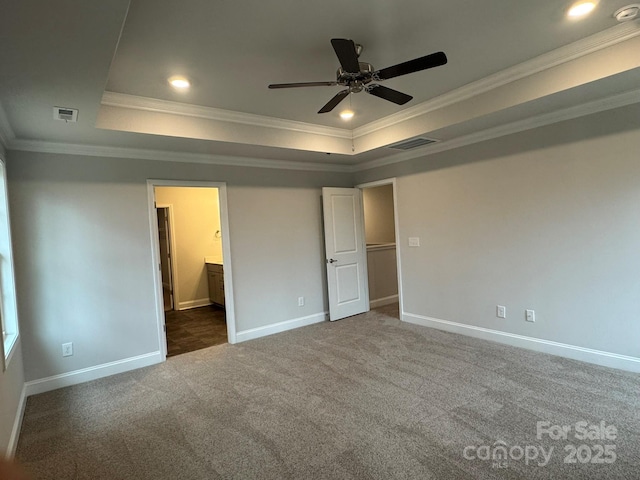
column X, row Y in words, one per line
column 193, row 278
column 190, row 245
column 380, row 224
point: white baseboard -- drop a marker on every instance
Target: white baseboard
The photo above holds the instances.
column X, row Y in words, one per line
column 17, row 424
column 598, row 357
column 381, row 302
column 199, row 302
column 91, row 373
column 254, row 333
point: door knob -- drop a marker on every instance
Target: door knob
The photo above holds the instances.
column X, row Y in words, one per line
column 332, row 260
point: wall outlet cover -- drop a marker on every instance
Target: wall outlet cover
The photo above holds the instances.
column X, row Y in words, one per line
column 67, row 349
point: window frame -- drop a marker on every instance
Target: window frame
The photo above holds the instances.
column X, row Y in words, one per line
column 8, row 302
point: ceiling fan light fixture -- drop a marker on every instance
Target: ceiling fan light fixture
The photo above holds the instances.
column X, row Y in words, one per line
column 346, row 114
column 179, row 82
column 580, row 9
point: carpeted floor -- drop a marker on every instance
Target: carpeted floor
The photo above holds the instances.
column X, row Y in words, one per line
column 367, row 397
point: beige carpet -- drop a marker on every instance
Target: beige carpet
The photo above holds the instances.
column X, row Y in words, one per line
column 364, row 398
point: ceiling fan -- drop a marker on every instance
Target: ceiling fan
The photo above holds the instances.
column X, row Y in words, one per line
column 357, row 76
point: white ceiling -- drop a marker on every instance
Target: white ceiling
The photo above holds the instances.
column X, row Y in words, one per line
column 111, row 60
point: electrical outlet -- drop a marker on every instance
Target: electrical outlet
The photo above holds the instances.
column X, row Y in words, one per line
column 67, row 349
column 530, row 315
column 414, row 241
column 301, row 301
column 501, row 312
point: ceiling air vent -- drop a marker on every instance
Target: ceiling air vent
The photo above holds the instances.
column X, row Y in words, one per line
column 412, row 143
column 66, row 114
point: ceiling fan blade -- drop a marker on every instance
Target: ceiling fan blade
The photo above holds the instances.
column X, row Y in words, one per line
column 303, row 84
column 346, row 52
column 422, row 63
column 331, row 104
column 389, row 94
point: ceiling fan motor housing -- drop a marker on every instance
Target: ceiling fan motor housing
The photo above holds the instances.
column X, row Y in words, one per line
column 355, row 81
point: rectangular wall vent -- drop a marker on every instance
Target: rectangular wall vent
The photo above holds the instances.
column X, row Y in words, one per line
column 412, row 143
column 66, row 114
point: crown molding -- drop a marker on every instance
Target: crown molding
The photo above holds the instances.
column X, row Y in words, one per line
column 6, row 132
column 596, row 106
column 122, row 100
column 572, row 51
column 168, row 156
column 580, row 48
column 594, row 43
column 608, row 103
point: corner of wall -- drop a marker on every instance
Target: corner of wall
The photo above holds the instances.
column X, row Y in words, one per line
column 12, row 402
column 17, row 423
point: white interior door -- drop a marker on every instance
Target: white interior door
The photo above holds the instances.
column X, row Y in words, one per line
column 345, row 251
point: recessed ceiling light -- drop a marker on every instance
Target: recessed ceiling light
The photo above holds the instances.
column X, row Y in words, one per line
column 179, row 82
column 580, row 9
column 346, row 115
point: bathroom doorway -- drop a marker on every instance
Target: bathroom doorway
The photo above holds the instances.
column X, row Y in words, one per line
column 190, row 255
column 191, row 228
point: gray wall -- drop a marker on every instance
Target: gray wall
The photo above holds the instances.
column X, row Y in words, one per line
column 83, row 252
column 379, row 224
column 382, row 272
column 547, row 220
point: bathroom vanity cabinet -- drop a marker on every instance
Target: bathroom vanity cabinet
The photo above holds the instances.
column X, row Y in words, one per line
column 215, row 275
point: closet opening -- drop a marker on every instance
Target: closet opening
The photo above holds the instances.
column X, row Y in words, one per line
column 380, row 224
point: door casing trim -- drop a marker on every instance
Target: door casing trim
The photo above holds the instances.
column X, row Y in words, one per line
column 226, row 253
column 396, row 222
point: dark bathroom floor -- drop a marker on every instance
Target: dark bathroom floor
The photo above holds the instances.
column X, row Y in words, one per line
column 196, row 328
